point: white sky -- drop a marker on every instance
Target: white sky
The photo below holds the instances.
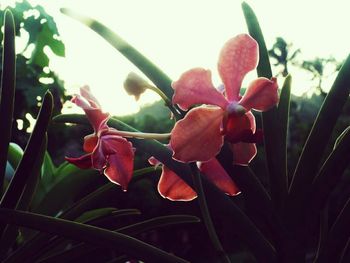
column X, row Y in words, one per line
column 179, row 35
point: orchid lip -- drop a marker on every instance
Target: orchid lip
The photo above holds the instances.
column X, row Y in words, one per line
column 235, row 109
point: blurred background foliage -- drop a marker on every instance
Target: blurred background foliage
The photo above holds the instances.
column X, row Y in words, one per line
column 37, row 39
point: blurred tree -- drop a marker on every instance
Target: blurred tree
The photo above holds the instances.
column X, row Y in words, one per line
column 38, row 34
column 283, row 54
column 317, row 68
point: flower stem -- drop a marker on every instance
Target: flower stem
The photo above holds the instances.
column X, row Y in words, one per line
column 167, row 102
column 142, row 135
column 206, row 216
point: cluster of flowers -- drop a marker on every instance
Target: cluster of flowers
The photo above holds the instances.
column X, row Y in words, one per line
column 199, row 136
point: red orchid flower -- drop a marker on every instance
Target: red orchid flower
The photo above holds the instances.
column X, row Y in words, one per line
column 200, row 135
column 172, row 187
column 106, row 151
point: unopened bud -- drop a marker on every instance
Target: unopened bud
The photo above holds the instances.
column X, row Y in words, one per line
column 135, row 85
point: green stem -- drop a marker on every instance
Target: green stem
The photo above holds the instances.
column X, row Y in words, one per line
column 142, row 135
column 168, row 102
column 206, row 215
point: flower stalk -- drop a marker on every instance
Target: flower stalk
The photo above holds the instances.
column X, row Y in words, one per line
column 142, row 135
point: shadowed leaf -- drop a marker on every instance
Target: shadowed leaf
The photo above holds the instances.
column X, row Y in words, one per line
column 89, row 234
column 274, row 141
column 7, row 91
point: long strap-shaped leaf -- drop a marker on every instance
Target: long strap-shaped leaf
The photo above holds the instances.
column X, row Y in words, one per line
column 157, row 76
column 101, row 194
column 320, row 134
column 283, row 120
column 98, row 217
column 88, row 234
column 25, row 167
column 337, row 237
column 93, row 200
column 132, row 230
column 10, row 233
column 330, row 173
column 7, row 91
column 274, row 139
column 218, row 202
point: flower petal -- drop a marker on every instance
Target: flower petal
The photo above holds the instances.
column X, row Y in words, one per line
column 197, row 137
column 217, row 174
column 172, row 187
column 195, row 87
column 237, row 128
column 86, row 93
column 243, row 153
column 90, row 142
column 153, row 161
column 121, row 163
column 251, row 118
column 238, row 56
column 99, row 159
column 262, row 94
column 94, row 114
column 83, row 162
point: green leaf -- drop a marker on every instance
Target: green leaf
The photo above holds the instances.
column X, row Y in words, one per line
column 46, row 38
column 47, row 172
column 274, row 141
column 320, row 134
column 89, row 234
column 100, row 195
column 345, row 256
column 132, row 230
column 29, row 160
column 7, row 91
column 71, row 182
column 156, row 75
column 340, row 137
column 283, row 113
column 257, row 202
column 337, row 237
column 157, row 222
column 100, row 217
column 38, row 245
column 218, row 202
column 111, row 217
column 279, row 182
column 206, row 217
column 106, row 218
column 330, row 173
column 95, row 214
column 14, row 154
column 91, row 201
column 264, row 66
column 10, row 233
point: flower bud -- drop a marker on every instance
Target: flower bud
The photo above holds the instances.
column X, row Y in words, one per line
column 135, row 85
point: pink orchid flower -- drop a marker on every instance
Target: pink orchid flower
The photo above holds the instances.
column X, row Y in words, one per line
column 106, row 151
column 200, row 135
column 172, row 187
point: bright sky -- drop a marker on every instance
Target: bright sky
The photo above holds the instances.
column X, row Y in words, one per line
column 179, row 35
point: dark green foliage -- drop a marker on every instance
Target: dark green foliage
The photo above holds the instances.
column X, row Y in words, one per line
column 7, row 91
column 33, row 75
